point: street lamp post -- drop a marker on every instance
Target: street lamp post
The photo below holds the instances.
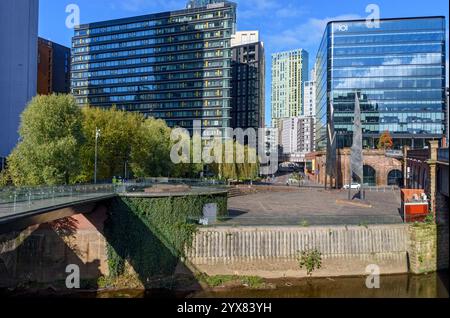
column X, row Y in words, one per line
column 97, row 135
column 126, row 170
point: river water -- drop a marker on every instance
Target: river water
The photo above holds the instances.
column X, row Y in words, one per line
column 435, row 285
column 393, row 286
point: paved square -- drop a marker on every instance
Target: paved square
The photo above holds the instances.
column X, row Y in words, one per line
column 313, row 206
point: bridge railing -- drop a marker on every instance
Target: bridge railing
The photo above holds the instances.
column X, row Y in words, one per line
column 29, row 194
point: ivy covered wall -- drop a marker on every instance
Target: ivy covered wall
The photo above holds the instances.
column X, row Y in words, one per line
column 150, row 233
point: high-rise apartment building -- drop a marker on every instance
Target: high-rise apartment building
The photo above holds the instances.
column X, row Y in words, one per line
column 297, row 135
column 172, row 65
column 201, row 3
column 289, row 72
column 289, row 135
column 18, row 66
column 309, row 96
column 398, row 70
column 248, row 81
column 305, row 134
column 53, row 68
column 244, row 37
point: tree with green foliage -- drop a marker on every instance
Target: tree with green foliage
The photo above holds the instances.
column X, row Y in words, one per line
column 238, row 162
column 150, row 153
column 187, row 167
column 5, row 179
column 50, row 139
column 119, row 134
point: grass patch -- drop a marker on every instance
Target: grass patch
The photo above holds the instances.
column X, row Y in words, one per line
column 253, row 282
column 304, row 223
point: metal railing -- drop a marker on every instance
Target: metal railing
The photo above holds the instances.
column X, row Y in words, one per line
column 30, row 194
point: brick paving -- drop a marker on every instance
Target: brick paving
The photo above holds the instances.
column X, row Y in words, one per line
column 313, row 206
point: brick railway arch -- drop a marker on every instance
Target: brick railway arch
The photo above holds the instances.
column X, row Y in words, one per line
column 370, row 175
column 378, row 166
column 395, row 178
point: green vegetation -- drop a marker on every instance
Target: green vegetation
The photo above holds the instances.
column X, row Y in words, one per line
column 253, row 282
column 297, row 176
column 428, row 220
column 118, row 137
column 244, row 166
column 364, row 224
column 51, row 136
column 150, row 236
column 304, row 223
column 58, row 147
column 310, row 260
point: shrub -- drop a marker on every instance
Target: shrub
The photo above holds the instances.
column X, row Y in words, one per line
column 310, row 260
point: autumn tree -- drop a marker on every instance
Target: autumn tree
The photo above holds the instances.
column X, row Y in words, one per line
column 50, row 139
column 385, row 141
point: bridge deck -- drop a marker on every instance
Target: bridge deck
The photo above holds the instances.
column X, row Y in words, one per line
column 19, row 207
column 9, row 210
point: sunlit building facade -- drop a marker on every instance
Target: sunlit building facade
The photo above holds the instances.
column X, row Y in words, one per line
column 398, row 70
column 289, row 72
column 173, row 65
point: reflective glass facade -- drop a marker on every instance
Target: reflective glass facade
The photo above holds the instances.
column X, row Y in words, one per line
column 173, row 65
column 248, row 93
column 398, row 69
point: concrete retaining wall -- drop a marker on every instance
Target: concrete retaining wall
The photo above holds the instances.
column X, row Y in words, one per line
column 272, row 251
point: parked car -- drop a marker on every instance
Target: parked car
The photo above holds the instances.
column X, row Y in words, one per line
column 352, row 186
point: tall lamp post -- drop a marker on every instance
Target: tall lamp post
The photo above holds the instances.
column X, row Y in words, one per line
column 97, row 135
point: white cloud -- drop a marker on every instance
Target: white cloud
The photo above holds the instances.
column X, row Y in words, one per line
column 307, row 34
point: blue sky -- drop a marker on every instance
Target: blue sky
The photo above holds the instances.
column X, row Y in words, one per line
column 283, row 24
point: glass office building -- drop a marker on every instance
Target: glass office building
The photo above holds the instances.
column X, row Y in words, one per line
column 248, row 86
column 173, row 65
column 398, row 70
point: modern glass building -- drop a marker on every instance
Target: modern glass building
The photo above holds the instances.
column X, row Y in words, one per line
column 201, row 3
column 173, row 65
column 289, row 73
column 248, row 83
column 398, row 70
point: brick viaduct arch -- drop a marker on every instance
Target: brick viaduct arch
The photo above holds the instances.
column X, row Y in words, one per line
column 376, row 159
